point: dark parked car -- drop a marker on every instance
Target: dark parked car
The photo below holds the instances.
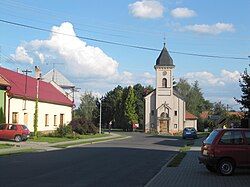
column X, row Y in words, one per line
column 189, row 132
column 226, row 149
column 14, row 132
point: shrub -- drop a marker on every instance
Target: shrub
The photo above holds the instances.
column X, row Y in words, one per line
column 63, row 131
column 82, row 126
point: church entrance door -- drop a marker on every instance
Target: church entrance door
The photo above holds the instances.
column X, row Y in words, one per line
column 164, row 126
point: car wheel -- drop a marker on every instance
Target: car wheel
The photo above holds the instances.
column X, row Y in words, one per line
column 211, row 168
column 18, row 138
column 226, row 167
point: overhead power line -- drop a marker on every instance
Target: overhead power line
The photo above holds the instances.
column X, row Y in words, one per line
column 121, row 44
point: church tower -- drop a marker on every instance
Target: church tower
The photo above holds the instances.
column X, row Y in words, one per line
column 164, row 90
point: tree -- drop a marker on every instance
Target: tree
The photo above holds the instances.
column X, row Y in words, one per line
column 36, row 119
column 139, row 92
column 2, row 117
column 219, row 109
column 112, row 107
column 87, row 106
column 245, row 97
column 130, row 106
column 193, row 96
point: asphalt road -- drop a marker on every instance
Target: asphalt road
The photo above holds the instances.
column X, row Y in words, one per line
column 128, row 162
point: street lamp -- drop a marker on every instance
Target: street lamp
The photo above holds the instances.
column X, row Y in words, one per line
column 100, row 120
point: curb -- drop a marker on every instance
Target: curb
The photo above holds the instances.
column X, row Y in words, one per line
column 89, row 143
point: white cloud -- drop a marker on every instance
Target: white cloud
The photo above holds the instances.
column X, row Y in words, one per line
column 22, row 55
column 214, row 29
column 148, row 79
column 78, row 57
column 208, row 78
column 146, row 9
column 86, row 66
column 230, row 76
column 205, row 77
column 183, row 13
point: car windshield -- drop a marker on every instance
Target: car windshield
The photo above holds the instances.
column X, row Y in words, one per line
column 190, row 129
column 211, row 137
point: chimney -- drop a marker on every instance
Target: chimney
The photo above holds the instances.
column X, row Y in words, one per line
column 38, row 73
column 18, row 70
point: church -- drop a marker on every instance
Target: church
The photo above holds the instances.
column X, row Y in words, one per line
column 165, row 110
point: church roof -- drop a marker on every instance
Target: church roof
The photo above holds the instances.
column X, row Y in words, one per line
column 164, row 58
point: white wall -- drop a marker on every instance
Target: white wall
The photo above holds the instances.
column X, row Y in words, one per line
column 191, row 123
column 17, row 105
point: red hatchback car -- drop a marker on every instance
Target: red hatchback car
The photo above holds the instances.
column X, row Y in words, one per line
column 14, row 132
column 225, row 149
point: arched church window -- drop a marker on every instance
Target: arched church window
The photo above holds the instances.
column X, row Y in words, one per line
column 164, row 83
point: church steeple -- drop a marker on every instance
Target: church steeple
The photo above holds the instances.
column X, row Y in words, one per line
column 164, row 58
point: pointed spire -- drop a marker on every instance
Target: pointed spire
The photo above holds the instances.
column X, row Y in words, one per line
column 164, row 58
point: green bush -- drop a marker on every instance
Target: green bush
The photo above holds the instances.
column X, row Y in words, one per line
column 82, row 126
column 63, row 131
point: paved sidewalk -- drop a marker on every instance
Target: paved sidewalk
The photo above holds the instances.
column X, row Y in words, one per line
column 191, row 173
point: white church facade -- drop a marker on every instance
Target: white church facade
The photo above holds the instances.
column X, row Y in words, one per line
column 165, row 110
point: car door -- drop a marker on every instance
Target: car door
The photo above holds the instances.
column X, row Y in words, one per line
column 10, row 132
column 247, row 135
column 232, row 145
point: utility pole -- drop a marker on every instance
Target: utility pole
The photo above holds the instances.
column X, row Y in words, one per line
column 26, row 79
column 74, row 90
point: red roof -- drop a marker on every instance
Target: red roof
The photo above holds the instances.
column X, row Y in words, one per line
column 190, row 116
column 204, row 115
column 47, row 92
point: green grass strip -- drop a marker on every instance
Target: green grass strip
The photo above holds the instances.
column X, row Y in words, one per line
column 64, row 139
column 175, row 162
column 16, row 152
column 4, row 146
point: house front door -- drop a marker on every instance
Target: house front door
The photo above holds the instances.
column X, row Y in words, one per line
column 164, row 126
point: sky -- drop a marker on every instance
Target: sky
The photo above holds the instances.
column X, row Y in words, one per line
column 73, row 32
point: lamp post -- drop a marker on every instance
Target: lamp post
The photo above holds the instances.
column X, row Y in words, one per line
column 100, row 121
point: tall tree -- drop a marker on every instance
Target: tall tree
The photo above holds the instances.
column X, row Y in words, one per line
column 130, row 106
column 87, row 106
column 245, row 97
column 139, row 92
column 112, row 105
column 192, row 94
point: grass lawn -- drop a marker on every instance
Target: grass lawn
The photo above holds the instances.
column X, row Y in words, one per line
column 4, row 146
column 59, row 139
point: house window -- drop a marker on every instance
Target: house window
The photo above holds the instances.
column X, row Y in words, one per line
column 25, row 118
column 164, row 83
column 61, row 119
column 175, row 126
column 175, row 113
column 55, row 121
column 14, row 117
column 46, row 119
column 152, row 112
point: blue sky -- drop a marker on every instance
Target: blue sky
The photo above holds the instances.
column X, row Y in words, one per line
column 204, row 27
